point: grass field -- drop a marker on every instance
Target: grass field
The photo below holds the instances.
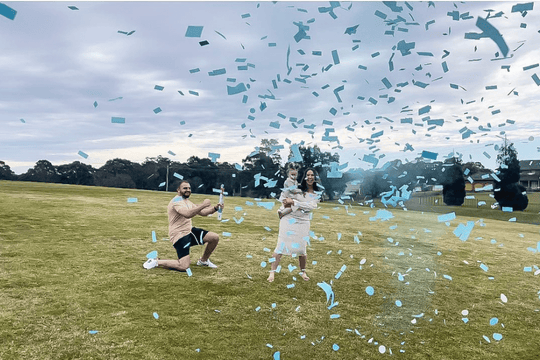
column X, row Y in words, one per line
column 71, row 262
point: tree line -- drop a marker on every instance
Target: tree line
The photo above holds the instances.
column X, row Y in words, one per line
column 260, row 175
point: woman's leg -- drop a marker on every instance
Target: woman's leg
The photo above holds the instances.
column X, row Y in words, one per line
column 274, row 267
column 302, row 259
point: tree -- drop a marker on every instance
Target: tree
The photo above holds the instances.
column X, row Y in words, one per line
column 154, row 172
column 5, row 172
column 119, row 173
column 43, row 171
column 508, row 192
column 271, row 148
column 453, row 182
column 207, row 171
column 261, row 175
column 374, row 184
column 76, row 173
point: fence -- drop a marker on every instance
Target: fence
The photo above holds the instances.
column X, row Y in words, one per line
column 437, row 200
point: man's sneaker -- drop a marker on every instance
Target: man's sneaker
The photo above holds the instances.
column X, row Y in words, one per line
column 150, row 264
column 206, row 263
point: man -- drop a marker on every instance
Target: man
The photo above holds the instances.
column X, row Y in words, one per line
column 183, row 235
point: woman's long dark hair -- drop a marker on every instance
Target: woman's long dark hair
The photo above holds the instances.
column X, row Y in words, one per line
column 303, row 184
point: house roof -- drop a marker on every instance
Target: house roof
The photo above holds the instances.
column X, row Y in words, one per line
column 526, row 165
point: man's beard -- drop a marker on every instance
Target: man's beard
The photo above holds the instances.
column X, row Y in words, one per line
column 185, row 196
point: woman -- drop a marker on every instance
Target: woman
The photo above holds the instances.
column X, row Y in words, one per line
column 294, row 227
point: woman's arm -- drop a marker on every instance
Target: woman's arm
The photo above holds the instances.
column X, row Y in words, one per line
column 301, row 203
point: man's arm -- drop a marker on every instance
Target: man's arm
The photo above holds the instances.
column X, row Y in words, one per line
column 211, row 210
column 189, row 213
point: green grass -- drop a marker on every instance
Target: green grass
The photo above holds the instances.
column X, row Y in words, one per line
column 71, row 261
column 433, row 202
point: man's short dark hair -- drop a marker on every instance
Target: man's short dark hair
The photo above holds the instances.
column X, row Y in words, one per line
column 181, row 182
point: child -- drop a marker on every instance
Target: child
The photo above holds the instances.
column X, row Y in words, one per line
column 290, row 187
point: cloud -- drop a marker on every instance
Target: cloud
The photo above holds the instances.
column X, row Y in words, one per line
column 58, row 62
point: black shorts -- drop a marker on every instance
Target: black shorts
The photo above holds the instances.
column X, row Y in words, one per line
column 195, row 237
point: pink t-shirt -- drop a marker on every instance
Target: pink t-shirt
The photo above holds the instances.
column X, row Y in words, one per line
column 179, row 226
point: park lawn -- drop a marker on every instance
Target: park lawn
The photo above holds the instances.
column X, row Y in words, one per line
column 71, row 262
column 469, row 208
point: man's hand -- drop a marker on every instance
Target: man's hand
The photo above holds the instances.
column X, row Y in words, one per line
column 206, row 203
column 220, row 206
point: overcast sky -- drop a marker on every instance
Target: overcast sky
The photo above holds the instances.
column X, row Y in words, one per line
column 56, row 64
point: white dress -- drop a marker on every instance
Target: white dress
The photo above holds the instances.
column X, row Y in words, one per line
column 294, row 227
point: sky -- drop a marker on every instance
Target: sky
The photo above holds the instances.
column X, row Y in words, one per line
column 371, row 81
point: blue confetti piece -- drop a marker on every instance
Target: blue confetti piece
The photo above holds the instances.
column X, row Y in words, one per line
column 329, row 293
column 132, row 200
column 277, row 355
column 370, row 291
column 233, row 90
column 497, row 336
column 429, row 155
column 463, row 232
column 228, row 234
column 335, row 57
column 263, row 264
column 335, row 316
column 446, row 217
column 188, row 271
column 156, row 316
column 447, row 277
column 398, row 303
column 489, row 31
column 83, row 154
column 486, row 338
column 493, row 321
column 159, row 88
column 91, row 331
column 536, row 79
column 290, row 286
column 525, row 68
column 335, row 347
column 214, row 156
column 194, row 31
column 484, row 267
column 152, row 255
column 157, row 110
column 154, row 236
column 7, row 11
column 267, row 205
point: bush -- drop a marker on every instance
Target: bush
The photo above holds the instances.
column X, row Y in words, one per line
column 512, row 195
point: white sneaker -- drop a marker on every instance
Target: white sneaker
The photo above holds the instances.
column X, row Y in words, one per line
column 206, row 263
column 150, row 264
